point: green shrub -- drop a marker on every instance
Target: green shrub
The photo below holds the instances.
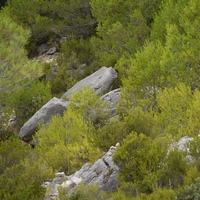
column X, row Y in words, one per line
column 21, row 175
column 190, row 192
column 63, row 144
column 91, row 192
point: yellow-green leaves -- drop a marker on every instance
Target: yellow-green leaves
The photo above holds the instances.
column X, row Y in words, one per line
column 15, row 68
column 63, row 143
column 140, row 158
column 21, row 175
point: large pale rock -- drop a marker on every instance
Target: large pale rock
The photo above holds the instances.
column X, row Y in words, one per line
column 53, row 107
column 104, row 173
column 100, row 81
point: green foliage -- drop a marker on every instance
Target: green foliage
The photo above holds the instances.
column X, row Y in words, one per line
column 192, row 115
column 190, row 192
column 80, row 47
column 89, row 105
column 63, row 143
column 60, row 18
column 159, row 100
column 73, row 64
column 91, row 192
column 17, row 72
column 9, row 158
column 172, row 105
column 12, row 42
column 121, row 30
column 120, row 195
column 165, row 62
column 21, row 177
column 139, row 158
column 192, row 173
column 145, row 76
column 118, row 127
column 112, row 132
column 172, row 174
column 175, row 113
column 158, row 193
column 28, row 100
column 194, row 148
column 169, row 14
column 60, row 81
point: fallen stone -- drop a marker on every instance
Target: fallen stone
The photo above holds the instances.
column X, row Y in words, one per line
column 100, row 81
column 53, row 107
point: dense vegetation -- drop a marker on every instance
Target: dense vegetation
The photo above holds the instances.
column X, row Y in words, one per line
column 152, row 44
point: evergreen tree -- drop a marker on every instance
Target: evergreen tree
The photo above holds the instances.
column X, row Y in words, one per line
column 15, row 69
column 121, row 29
column 60, row 18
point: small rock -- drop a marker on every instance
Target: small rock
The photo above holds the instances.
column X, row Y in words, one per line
column 51, row 51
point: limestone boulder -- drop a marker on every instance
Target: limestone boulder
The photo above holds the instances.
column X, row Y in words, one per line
column 52, row 107
column 100, row 81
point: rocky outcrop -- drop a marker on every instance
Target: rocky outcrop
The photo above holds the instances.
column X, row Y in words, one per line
column 100, row 81
column 103, row 173
column 53, row 107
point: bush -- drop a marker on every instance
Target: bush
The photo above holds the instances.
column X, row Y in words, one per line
column 21, row 175
column 91, row 192
column 28, row 100
column 190, row 192
column 140, row 158
column 63, row 144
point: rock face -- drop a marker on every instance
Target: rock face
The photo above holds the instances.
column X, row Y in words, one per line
column 100, row 81
column 111, row 98
column 103, row 173
column 53, row 107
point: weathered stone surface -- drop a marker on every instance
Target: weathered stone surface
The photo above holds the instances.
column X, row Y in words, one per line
column 51, row 51
column 100, row 81
column 182, row 143
column 53, row 107
column 111, row 98
column 103, row 173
